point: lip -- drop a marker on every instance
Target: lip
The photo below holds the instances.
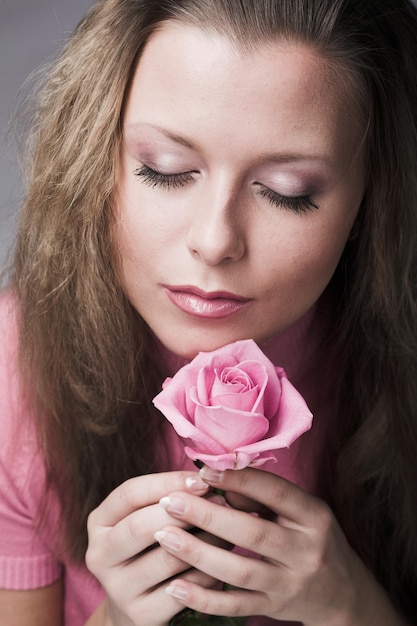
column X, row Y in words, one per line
column 200, row 303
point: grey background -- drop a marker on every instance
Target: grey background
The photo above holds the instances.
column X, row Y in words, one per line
column 30, row 33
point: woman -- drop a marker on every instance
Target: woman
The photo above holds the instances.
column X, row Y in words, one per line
column 205, row 172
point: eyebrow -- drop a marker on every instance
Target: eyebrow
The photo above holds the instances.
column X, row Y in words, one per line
column 167, row 133
column 291, row 157
column 268, row 157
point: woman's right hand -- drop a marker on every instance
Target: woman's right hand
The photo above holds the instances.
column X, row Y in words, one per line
column 124, row 557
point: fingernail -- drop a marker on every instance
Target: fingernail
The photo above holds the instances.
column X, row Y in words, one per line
column 173, row 504
column 177, row 592
column 211, row 475
column 195, row 484
column 169, row 540
column 218, row 499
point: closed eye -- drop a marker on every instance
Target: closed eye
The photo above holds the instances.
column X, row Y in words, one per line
column 153, row 178
column 297, row 204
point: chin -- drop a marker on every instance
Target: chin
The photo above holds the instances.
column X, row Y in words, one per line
column 189, row 348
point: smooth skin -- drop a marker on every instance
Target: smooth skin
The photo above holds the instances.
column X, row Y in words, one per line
column 240, row 172
column 124, row 555
column 36, row 607
column 307, row 571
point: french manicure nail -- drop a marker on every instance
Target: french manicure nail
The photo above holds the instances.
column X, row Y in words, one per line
column 177, row 592
column 173, row 504
column 211, row 475
column 195, row 484
column 169, row 540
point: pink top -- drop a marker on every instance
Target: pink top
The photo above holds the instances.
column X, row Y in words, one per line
column 27, row 558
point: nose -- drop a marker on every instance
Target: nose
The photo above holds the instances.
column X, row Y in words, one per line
column 216, row 230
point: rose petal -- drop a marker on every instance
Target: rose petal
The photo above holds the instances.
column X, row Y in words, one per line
column 206, row 444
column 243, row 401
column 230, row 428
column 258, row 375
column 244, row 351
column 262, row 458
column 184, row 427
column 249, row 374
column 292, row 420
column 205, row 381
column 220, row 462
column 234, row 461
column 235, row 376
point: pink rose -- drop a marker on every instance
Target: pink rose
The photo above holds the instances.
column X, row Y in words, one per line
column 233, row 407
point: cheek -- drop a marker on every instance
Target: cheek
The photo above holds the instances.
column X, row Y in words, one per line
column 139, row 231
column 319, row 259
column 304, row 262
column 130, row 241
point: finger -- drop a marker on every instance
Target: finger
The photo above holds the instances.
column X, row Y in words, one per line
column 265, row 538
column 233, row 603
column 151, row 569
column 192, row 577
column 141, row 575
column 157, row 607
column 233, row 569
column 142, row 491
column 250, row 506
column 274, row 492
column 133, row 534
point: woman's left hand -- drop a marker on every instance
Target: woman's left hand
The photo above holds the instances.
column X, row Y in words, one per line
column 303, row 568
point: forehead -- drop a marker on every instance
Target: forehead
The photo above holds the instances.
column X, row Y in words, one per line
column 201, row 54
column 187, row 76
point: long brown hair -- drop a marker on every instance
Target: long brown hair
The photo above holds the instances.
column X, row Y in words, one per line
column 86, row 354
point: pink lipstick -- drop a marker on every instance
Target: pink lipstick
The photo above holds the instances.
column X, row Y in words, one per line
column 214, row 305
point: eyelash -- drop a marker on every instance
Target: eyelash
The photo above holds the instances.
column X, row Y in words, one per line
column 298, row 204
column 153, row 178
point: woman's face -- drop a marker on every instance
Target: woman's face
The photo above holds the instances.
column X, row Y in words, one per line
column 241, row 176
